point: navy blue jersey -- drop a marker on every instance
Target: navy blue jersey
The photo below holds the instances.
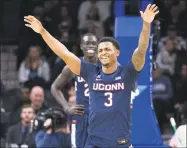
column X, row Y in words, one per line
column 82, row 92
column 110, row 113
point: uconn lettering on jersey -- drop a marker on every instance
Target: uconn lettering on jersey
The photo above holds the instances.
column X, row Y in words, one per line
column 84, row 86
column 108, row 87
column 80, row 79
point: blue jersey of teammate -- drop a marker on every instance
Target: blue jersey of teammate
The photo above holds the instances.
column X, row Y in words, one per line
column 82, row 93
column 110, row 113
column 82, row 97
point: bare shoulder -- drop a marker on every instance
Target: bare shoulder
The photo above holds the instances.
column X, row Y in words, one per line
column 64, row 77
column 67, row 72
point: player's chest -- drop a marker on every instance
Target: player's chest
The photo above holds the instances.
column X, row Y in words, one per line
column 108, row 83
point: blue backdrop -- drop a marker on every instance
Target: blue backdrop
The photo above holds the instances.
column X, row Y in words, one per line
column 145, row 131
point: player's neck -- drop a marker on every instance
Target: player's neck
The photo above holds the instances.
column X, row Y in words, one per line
column 111, row 69
column 91, row 60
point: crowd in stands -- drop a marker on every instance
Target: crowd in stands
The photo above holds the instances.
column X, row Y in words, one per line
column 170, row 79
column 67, row 20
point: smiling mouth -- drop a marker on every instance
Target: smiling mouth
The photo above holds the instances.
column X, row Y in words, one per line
column 90, row 51
column 104, row 58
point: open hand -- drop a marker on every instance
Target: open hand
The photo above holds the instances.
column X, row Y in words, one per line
column 77, row 109
column 149, row 14
column 33, row 23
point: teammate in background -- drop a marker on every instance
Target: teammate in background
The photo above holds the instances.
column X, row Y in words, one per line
column 89, row 47
column 110, row 84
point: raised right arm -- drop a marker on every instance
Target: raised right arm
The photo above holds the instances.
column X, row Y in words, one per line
column 58, row 48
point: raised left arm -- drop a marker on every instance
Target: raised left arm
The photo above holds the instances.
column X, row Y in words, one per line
column 138, row 57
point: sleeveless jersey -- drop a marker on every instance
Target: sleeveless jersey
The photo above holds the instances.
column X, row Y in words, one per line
column 110, row 97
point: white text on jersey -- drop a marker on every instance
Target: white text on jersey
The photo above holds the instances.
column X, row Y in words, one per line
column 80, row 79
column 115, row 86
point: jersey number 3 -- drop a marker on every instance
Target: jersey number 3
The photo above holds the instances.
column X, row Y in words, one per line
column 109, row 101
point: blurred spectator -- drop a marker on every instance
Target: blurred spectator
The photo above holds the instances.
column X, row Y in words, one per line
column 108, row 24
column 166, row 58
column 178, row 15
column 25, row 90
column 21, row 132
column 51, row 8
column 181, row 87
column 162, row 94
column 34, row 66
column 93, row 13
column 13, row 100
column 56, row 133
column 65, row 27
column 31, row 94
column 38, row 12
column 164, row 15
column 51, row 16
column 21, row 99
column 37, row 99
column 92, row 22
column 94, row 27
column 65, row 20
column 182, row 18
column 28, row 37
column 101, row 9
column 174, row 12
column 181, row 59
column 178, row 41
column 48, row 5
column 65, row 38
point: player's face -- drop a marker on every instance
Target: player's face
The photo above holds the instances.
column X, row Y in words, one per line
column 107, row 53
column 89, row 46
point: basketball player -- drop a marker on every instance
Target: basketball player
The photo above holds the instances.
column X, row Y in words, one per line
column 88, row 46
column 110, row 84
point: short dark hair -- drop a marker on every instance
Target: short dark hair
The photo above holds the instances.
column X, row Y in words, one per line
column 26, row 106
column 110, row 39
